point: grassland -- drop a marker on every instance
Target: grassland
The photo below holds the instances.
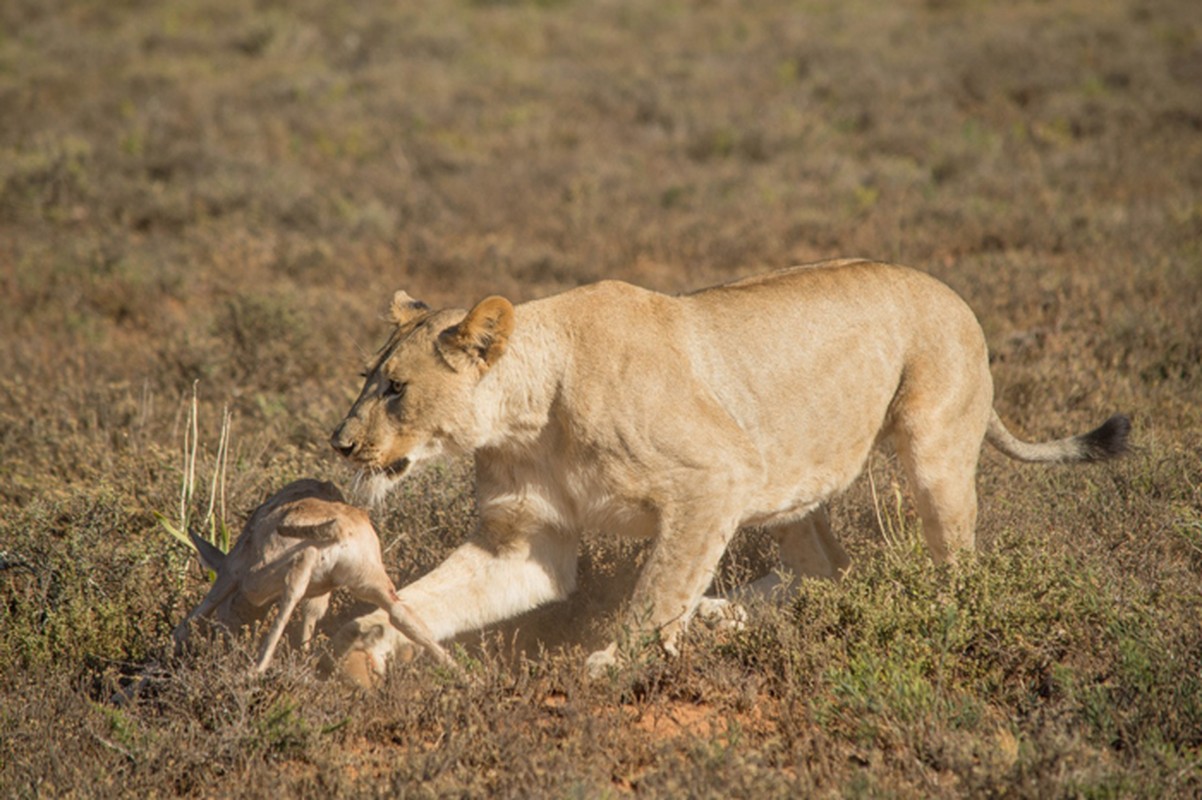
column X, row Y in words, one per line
column 223, row 195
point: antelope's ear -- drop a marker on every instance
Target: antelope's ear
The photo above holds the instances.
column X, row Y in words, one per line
column 405, row 309
column 484, row 333
column 210, row 556
column 316, row 519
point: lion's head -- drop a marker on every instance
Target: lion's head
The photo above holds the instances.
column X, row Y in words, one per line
column 416, row 401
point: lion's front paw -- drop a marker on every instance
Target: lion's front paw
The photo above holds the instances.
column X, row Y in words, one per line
column 364, row 648
column 361, row 668
column 722, row 614
column 599, row 664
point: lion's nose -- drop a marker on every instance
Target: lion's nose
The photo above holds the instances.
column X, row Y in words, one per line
column 342, row 443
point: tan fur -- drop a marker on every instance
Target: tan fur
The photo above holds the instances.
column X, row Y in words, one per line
column 611, row 409
column 297, row 547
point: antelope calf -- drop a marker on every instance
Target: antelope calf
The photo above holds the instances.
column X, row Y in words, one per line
column 299, row 546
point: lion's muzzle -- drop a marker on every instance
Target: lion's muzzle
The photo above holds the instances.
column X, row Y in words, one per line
column 343, row 441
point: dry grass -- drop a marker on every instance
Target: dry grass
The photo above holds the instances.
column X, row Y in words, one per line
column 202, row 191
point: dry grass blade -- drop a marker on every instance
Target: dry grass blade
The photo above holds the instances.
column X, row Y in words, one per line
column 901, row 538
column 213, row 518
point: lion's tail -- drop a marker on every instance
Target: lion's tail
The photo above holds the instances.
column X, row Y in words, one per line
column 1107, row 441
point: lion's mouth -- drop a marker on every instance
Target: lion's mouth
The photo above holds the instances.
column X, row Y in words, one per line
column 397, row 468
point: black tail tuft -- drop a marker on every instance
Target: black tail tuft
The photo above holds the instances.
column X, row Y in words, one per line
column 1109, row 440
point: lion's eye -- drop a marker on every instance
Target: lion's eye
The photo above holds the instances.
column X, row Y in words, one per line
column 394, row 389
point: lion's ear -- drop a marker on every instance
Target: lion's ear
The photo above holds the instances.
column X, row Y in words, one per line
column 484, row 332
column 404, row 309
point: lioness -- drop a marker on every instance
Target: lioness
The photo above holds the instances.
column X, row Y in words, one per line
column 616, row 409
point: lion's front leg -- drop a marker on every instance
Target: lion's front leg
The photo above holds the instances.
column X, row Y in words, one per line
column 479, row 583
column 681, row 566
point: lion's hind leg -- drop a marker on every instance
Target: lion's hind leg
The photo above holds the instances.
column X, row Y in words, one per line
column 939, row 451
column 945, row 491
column 807, row 548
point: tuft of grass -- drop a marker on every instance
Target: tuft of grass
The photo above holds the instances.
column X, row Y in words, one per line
column 901, row 533
column 905, row 656
column 213, row 519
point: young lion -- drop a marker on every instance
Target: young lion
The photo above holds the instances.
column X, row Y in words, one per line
column 618, row 410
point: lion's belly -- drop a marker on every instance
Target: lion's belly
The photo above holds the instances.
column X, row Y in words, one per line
column 813, row 429
column 798, row 481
